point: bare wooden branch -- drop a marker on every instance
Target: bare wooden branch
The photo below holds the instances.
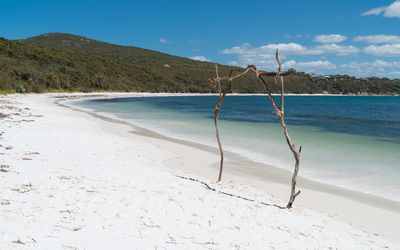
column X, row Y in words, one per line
column 274, row 73
column 216, row 115
column 231, row 77
column 296, row 154
column 282, row 85
column 279, row 112
column 218, row 81
column 244, row 72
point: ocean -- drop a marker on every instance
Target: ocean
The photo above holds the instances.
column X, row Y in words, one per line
column 347, row 141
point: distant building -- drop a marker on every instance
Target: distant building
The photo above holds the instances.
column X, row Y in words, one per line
column 321, row 77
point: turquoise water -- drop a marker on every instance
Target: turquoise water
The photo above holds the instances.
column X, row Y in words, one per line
column 348, row 141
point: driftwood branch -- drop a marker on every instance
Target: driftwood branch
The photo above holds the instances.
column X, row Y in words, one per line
column 282, row 85
column 218, row 81
column 216, row 115
column 278, row 110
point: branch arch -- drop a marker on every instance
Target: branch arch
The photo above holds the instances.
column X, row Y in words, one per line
column 278, row 110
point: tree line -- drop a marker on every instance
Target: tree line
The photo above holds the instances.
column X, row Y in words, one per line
column 64, row 62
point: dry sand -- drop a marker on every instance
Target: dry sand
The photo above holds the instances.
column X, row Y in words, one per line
column 71, row 180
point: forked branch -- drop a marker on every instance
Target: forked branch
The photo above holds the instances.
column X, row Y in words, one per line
column 278, row 110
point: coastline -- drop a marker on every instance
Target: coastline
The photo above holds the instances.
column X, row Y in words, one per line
column 151, row 94
column 169, row 157
column 153, row 131
column 238, row 168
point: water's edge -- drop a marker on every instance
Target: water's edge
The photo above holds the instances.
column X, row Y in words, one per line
column 279, row 175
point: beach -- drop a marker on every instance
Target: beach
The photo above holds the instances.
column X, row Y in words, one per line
column 72, row 179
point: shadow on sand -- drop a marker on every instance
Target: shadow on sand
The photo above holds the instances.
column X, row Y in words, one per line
column 206, row 186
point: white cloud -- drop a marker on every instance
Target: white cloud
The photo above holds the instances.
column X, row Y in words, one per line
column 376, row 68
column 394, row 74
column 393, row 10
column 200, row 58
column 316, row 65
column 285, row 49
column 244, row 48
column 336, row 49
column 264, row 56
column 332, row 38
column 233, row 63
column 374, row 11
column 375, row 64
column 374, row 39
column 289, row 64
column 162, row 40
column 383, row 50
column 294, row 36
column 309, row 66
column 268, row 51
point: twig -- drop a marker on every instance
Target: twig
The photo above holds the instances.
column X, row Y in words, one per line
column 72, row 229
column 4, row 202
column 151, row 225
column 18, row 242
column 70, row 247
column 4, row 168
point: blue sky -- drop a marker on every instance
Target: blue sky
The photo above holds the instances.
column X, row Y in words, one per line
column 360, row 38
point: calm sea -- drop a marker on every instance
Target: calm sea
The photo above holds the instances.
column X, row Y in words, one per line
column 348, row 141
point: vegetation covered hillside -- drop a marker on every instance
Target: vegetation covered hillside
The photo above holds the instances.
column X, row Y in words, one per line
column 56, row 61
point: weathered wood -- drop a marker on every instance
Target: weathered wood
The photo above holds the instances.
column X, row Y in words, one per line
column 273, row 74
column 282, row 85
column 278, row 110
column 218, row 81
column 216, row 115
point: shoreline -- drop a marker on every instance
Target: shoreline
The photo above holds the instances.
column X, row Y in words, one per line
column 76, row 180
column 262, row 176
column 160, row 94
column 365, row 196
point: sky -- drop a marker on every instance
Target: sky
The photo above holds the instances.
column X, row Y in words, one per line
column 357, row 37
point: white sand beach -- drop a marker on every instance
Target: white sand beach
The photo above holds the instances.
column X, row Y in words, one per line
column 74, row 180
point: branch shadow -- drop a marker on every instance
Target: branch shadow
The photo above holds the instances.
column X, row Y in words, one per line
column 208, row 187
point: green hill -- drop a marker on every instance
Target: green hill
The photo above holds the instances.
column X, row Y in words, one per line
column 56, row 61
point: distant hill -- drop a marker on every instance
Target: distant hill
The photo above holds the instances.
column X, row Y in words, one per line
column 57, row 61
